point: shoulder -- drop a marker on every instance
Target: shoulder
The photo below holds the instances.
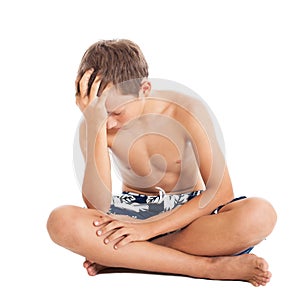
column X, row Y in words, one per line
column 188, row 109
column 192, row 103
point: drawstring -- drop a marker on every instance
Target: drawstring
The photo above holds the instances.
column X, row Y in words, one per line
column 162, row 193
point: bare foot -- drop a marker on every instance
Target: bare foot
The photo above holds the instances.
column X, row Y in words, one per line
column 247, row 267
column 93, row 268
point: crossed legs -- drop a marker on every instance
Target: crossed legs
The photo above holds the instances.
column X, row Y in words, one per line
column 190, row 252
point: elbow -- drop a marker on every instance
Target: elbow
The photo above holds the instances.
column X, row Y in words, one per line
column 228, row 195
column 87, row 202
column 100, row 201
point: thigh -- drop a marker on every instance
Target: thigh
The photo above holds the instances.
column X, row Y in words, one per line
column 226, row 233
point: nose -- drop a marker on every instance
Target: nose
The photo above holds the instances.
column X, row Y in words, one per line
column 111, row 122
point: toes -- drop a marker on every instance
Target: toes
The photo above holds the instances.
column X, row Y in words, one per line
column 87, row 263
column 261, row 264
column 92, row 271
column 261, row 274
column 262, row 281
column 90, row 267
column 268, row 275
column 258, row 280
column 254, row 282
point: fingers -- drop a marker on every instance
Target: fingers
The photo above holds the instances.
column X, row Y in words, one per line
column 107, row 226
column 102, row 95
column 82, row 99
column 107, row 88
column 97, row 93
column 83, row 82
column 101, row 222
column 82, row 85
column 114, row 230
column 123, row 242
column 121, row 236
column 95, row 87
column 120, row 233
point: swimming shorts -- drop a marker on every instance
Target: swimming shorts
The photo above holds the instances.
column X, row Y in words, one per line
column 140, row 206
column 221, row 206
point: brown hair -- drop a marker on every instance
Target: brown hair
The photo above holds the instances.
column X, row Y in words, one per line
column 117, row 61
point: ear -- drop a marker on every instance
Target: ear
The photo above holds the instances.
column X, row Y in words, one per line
column 145, row 88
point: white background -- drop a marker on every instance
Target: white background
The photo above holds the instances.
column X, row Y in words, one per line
column 242, row 57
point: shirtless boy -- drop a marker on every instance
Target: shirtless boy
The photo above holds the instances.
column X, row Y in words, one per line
column 177, row 213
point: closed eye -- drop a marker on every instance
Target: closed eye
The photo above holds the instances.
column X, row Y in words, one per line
column 116, row 112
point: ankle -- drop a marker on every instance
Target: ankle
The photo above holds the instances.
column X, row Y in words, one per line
column 202, row 267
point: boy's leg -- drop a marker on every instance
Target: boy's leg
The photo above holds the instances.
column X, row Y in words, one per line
column 72, row 227
column 238, row 226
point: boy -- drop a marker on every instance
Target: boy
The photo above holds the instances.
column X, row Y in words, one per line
column 177, row 213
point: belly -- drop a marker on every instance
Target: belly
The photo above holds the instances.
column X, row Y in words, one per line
column 144, row 174
column 156, row 160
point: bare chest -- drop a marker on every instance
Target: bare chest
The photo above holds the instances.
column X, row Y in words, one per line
column 153, row 154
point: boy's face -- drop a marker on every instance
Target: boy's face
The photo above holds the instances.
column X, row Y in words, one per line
column 121, row 109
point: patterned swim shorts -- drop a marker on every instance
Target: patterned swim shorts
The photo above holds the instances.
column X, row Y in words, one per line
column 142, row 206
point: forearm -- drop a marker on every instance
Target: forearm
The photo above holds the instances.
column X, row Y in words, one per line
column 199, row 206
column 96, row 187
column 177, row 218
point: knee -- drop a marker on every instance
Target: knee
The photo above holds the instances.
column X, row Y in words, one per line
column 59, row 224
column 262, row 215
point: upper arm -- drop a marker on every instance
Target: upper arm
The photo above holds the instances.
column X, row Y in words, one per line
column 208, row 149
column 82, row 138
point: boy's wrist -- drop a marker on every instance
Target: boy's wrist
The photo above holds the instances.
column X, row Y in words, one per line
column 159, row 227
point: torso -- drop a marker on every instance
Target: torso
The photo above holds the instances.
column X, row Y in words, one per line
column 155, row 151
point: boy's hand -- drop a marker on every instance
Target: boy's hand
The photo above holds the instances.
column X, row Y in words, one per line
column 81, row 85
column 92, row 106
column 121, row 232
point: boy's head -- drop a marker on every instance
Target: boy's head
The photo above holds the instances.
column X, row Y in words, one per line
column 117, row 61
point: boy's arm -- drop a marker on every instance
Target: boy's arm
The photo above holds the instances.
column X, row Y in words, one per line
column 201, row 205
column 213, row 169
column 218, row 191
column 96, row 186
